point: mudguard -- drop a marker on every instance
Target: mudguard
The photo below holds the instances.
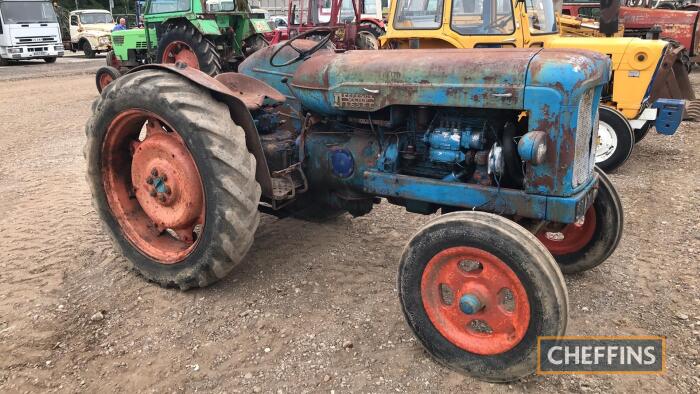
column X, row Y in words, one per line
column 242, row 95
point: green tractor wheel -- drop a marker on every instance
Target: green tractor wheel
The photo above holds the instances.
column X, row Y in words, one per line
column 183, row 43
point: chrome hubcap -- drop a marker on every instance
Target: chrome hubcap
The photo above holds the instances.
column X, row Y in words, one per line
column 607, row 142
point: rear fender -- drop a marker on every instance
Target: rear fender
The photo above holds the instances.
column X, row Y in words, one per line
column 242, row 94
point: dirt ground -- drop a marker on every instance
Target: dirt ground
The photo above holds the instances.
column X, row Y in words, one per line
column 279, row 323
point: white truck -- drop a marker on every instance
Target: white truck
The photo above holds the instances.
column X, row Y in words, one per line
column 90, row 31
column 29, row 30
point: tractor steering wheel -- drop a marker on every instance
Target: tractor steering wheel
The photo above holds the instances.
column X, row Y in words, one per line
column 303, row 54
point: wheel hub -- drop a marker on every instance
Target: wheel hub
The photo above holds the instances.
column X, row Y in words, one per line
column 178, row 51
column 153, row 186
column 105, row 79
column 607, row 142
column 475, row 300
column 165, row 180
column 572, row 237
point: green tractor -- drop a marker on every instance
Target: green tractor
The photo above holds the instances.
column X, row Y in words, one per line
column 212, row 36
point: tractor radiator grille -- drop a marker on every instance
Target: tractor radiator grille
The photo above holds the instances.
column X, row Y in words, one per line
column 586, row 133
column 118, row 40
column 141, row 45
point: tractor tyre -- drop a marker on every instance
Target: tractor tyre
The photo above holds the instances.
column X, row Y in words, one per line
column 50, row 59
column 372, row 28
column 171, row 178
column 584, row 245
column 615, row 139
column 87, row 50
column 104, row 76
column 365, row 40
column 184, row 43
column 478, row 290
column 642, row 132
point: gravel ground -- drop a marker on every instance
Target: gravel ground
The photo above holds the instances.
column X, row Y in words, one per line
column 314, row 307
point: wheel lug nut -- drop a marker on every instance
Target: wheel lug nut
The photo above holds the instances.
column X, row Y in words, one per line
column 149, row 180
column 152, row 193
column 154, row 172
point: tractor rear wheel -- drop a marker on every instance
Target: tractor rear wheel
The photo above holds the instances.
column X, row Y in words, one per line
column 184, row 43
column 104, row 76
column 615, row 139
column 586, row 244
column 372, row 28
column 171, row 178
column 477, row 290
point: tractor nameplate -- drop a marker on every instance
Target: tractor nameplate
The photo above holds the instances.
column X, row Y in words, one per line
column 353, row 100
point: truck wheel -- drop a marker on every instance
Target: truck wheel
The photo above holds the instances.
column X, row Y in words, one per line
column 171, row 178
column 586, row 244
column 4, row 62
column 183, row 43
column 104, row 76
column 87, row 49
column 615, row 139
column 50, row 60
column 477, row 290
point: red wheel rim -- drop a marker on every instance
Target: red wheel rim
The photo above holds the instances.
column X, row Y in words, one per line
column 504, row 306
column 152, row 185
column 105, row 79
column 572, row 238
column 178, row 51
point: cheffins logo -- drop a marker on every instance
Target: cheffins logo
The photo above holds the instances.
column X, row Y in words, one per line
column 601, row 355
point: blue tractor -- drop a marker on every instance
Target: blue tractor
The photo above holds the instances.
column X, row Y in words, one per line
column 180, row 165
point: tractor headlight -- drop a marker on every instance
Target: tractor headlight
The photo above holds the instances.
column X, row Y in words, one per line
column 532, row 147
column 58, row 47
column 104, row 40
column 641, row 59
column 14, row 50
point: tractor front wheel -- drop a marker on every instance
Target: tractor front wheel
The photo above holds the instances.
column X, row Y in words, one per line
column 171, row 178
column 184, row 43
column 589, row 242
column 477, row 290
column 615, row 139
column 104, row 76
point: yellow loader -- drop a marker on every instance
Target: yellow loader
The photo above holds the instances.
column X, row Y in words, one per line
column 648, row 88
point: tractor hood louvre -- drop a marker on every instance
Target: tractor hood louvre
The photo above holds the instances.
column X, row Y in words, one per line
column 371, row 80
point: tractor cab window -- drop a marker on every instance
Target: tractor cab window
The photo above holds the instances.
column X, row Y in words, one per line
column 369, row 7
column 163, row 6
column 347, row 12
column 482, row 17
column 541, row 15
column 74, row 20
column 418, row 14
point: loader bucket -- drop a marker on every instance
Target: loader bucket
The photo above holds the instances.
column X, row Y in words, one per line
column 672, row 82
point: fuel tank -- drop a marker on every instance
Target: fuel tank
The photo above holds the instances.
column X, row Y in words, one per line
column 333, row 83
